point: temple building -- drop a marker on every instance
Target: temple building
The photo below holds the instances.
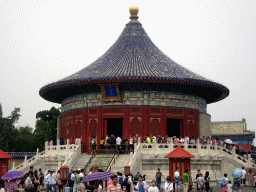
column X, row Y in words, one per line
column 234, row 130
column 133, row 88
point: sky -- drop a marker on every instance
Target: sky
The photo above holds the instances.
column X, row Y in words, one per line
column 42, row 41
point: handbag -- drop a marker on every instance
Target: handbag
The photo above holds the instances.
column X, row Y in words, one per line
column 36, row 181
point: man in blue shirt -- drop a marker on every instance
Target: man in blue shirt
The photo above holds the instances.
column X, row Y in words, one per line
column 61, row 141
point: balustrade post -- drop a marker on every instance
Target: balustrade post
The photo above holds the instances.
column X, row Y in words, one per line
column 59, row 165
column 198, row 145
column 171, row 144
column 46, row 147
column 139, row 140
column 131, row 157
column 249, row 161
column 37, row 154
column 13, row 166
column 58, row 146
column 67, row 147
column 155, row 147
column 26, row 161
column 185, row 144
column 135, row 147
column 215, row 146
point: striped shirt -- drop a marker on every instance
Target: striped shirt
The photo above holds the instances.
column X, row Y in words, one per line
column 112, row 188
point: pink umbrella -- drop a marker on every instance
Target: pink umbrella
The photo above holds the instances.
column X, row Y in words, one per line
column 228, row 141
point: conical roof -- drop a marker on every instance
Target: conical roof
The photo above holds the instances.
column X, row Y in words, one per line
column 179, row 152
column 134, row 58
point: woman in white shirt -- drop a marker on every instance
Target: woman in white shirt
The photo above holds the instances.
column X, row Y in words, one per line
column 153, row 188
column 2, row 186
column 141, row 185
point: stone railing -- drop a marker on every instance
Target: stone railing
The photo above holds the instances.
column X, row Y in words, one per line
column 68, row 151
column 201, row 150
column 21, row 154
column 74, row 152
column 135, row 159
column 28, row 162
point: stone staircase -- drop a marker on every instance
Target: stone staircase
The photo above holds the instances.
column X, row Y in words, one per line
column 121, row 161
column 101, row 160
column 81, row 161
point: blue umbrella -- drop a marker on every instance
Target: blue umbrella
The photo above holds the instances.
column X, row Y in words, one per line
column 13, row 175
column 237, row 173
column 96, row 176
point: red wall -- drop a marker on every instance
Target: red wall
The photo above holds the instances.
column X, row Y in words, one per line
column 145, row 120
column 246, row 147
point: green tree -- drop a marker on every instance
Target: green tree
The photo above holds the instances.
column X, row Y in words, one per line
column 46, row 126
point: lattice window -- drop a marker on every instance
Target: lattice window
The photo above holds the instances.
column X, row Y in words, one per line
column 113, row 111
column 191, row 113
column 135, row 110
column 79, row 113
column 135, row 125
column 93, row 111
column 155, row 127
column 79, row 129
column 68, row 115
column 191, row 129
column 92, row 127
column 155, row 110
column 174, row 111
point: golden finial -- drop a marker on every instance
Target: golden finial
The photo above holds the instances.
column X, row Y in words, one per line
column 179, row 144
column 134, row 12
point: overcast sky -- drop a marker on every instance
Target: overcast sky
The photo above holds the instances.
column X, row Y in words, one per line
column 42, row 41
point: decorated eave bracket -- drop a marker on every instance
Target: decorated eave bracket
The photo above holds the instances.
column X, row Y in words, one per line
column 110, row 93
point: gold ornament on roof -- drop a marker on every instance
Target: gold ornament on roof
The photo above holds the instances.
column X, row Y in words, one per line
column 134, row 12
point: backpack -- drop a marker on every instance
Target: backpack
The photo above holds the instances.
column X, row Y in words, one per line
column 126, row 181
column 223, row 182
column 120, row 180
column 41, row 176
column 109, row 141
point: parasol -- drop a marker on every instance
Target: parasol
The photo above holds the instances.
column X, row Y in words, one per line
column 237, row 173
column 228, row 141
column 96, row 176
column 12, row 175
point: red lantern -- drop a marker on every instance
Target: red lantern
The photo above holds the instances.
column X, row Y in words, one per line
column 126, row 170
column 64, row 173
column 95, row 168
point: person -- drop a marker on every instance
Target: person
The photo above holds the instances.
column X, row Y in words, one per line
column 250, row 178
column 100, row 187
column 185, row 180
column 148, row 139
column 200, row 183
column 107, row 142
column 71, row 179
column 36, row 180
column 118, row 142
column 177, row 180
column 131, row 144
column 158, row 178
column 243, row 177
column 93, row 145
column 224, row 182
column 60, row 187
column 198, row 174
column 12, row 186
column 113, row 142
column 110, row 181
column 127, row 183
column 190, row 182
column 168, row 186
column 102, row 141
column 120, row 179
column 31, row 170
column 41, row 176
column 229, row 186
column 81, row 174
column 47, row 187
column 92, row 187
column 153, row 187
column 254, row 180
column 159, row 139
column 28, row 183
column 76, row 180
column 141, row 185
column 61, row 141
column 2, row 186
column 207, row 181
column 51, row 180
column 114, row 187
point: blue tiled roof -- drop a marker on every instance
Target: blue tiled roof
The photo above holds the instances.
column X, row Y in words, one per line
column 133, row 56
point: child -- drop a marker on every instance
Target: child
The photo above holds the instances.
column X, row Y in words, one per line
column 229, row 185
column 2, row 186
column 153, row 188
column 254, row 180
